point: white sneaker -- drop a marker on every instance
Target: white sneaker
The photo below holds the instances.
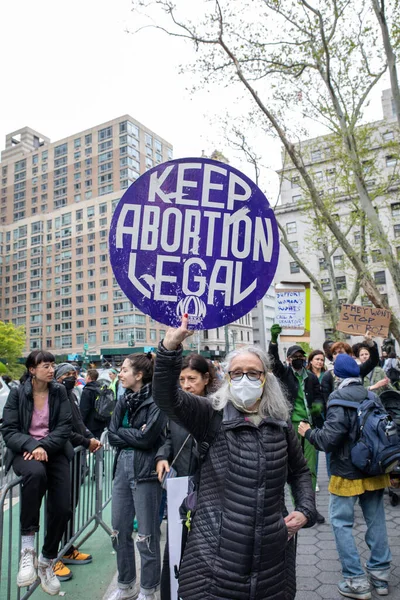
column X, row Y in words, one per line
column 48, row 579
column 124, row 594
column 27, row 568
column 143, row 596
column 317, row 488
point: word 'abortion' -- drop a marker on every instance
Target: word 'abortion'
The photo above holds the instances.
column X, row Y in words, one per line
column 181, row 230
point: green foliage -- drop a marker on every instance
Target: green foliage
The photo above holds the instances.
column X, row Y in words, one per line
column 306, row 347
column 12, row 344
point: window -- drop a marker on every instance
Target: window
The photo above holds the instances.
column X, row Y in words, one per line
column 376, row 256
column 380, row 277
column 105, row 133
column 316, row 155
column 326, row 285
column 338, row 261
column 388, row 135
column 391, row 161
column 395, row 208
column 60, row 150
column 294, row 267
column 291, row 227
column 340, row 283
column 148, row 140
column 297, row 198
column 396, row 230
column 295, row 181
column 88, row 139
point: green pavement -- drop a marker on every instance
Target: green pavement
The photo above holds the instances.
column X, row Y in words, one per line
column 89, row 581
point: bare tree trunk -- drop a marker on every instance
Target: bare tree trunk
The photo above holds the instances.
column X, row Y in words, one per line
column 379, row 8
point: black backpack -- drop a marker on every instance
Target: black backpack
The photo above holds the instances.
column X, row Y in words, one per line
column 104, row 404
column 376, row 449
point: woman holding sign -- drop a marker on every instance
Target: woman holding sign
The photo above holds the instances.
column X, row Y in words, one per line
column 241, row 542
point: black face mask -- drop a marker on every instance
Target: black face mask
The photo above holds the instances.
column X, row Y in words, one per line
column 69, row 382
column 298, row 363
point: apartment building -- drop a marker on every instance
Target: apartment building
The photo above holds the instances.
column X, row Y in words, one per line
column 382, row 164
column 56, row 205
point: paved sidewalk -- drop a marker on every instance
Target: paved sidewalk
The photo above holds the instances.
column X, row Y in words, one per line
column 318, row 566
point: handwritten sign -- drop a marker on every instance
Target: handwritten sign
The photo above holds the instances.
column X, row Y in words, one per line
column 194, row 236
column 356, row 320
column 290, row 308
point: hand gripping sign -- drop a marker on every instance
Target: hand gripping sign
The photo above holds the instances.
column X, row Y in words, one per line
column 194, row 236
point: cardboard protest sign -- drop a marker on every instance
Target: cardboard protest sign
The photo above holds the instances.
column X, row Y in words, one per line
column 290, row 311
column 356, row 320
column 194, row 236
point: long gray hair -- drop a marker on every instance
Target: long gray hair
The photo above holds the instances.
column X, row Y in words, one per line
column 273, row 401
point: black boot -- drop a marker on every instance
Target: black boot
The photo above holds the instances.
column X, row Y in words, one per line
column 320, row 518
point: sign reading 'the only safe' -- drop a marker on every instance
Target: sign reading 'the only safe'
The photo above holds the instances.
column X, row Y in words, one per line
column 194, row 236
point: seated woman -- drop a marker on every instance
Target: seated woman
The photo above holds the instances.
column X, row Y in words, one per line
column 36, row 429
column 136, row 430
column 241, row 541
column 197, row 377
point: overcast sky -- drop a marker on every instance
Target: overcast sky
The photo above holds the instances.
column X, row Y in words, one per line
column 68, row 66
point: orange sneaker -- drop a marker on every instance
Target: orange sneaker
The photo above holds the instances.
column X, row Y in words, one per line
column 74, row 557
column 61, row 571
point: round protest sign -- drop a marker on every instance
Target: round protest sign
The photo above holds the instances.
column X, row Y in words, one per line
column 194, row 236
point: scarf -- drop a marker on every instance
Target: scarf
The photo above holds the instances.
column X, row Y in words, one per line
column 134, row 399
column 348, row 381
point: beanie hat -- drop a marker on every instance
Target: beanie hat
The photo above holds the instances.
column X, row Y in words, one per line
column 345, row 366
column 63, row 368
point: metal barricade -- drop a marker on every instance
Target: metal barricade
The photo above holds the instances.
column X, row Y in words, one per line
column 91, row 486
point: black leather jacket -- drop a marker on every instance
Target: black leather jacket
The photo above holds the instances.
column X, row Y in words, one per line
column 339, row 431
column 145, row 443
column 17, row 417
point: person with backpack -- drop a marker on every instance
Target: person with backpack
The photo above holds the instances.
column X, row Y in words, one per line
column 90, row 416
column 136, row 431
column 197, row 377
column 241, row 542
column 350, row 483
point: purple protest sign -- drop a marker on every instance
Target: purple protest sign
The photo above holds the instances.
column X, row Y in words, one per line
column 194, row 236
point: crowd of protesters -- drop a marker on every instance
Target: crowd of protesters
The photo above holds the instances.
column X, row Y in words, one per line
column 240, row 432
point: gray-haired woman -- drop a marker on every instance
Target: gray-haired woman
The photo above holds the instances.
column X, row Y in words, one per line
column 241, row 542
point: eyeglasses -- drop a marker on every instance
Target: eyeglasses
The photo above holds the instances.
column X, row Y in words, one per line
column 251, row 375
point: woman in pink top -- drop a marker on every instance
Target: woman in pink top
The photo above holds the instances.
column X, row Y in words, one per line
column 36, row 429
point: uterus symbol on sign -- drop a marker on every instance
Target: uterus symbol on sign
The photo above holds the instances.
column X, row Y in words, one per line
column 194, row 307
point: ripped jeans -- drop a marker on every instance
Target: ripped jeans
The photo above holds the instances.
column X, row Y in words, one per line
column 132, row 499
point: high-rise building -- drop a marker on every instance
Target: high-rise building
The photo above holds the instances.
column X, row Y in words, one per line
column 56, row 205
column 382, row 179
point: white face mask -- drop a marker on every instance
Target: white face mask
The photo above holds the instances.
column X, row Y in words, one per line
column 246, row 393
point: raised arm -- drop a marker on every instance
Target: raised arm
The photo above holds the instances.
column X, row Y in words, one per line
column 193, row 412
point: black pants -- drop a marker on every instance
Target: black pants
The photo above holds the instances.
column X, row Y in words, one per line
column 53, row 476
column 77, row 475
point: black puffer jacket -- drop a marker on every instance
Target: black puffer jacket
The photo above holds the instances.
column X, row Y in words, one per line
column 237, row 548
column 340, row 431
column 145, row 443
column 17, row 417
column 285, row 373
